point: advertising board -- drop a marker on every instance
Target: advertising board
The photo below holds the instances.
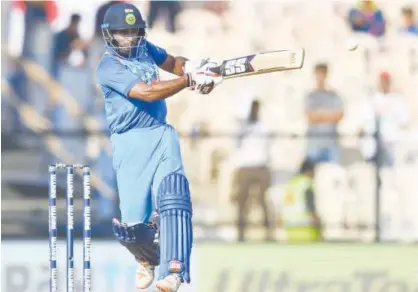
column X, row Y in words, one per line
column 308, row 268
column 228, row 267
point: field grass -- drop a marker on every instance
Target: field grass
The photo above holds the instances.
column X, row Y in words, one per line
column 314, row 267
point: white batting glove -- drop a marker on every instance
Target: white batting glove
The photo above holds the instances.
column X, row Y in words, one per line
column 217, row 79
column 190, row 67
column 197, row 79
column 209, row 63
column 203, row 82
column 200, row 65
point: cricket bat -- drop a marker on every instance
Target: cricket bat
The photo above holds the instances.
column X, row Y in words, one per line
column 261, row 63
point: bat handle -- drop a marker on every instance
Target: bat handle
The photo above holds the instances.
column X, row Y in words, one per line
column 215, row 70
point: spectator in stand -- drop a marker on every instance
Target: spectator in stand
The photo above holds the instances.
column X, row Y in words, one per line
column 38, row 15
column 390, row 110
column 252, row 170
column 29, row 20
column 218, row 7
column 299, row 214
column 157, row 7
column 69, row 48
column 410, row 25
column 367, row 18
column 324, row 109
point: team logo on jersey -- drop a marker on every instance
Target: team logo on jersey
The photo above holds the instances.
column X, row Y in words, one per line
column 130, row 19
column 146, row 70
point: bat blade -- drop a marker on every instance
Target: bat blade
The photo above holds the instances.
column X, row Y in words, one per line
column 261, row 63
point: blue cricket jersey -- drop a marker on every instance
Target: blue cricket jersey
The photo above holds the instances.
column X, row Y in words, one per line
column 117, row 76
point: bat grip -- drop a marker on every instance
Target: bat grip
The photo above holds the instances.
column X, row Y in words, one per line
column 216, row 70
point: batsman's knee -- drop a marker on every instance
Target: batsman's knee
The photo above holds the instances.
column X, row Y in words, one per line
column 174, row 193
column 139, row 240
column 176, row 233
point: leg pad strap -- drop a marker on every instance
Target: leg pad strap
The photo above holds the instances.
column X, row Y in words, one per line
column 139, row 240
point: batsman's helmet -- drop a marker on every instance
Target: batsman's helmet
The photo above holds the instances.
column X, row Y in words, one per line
column 124, row 20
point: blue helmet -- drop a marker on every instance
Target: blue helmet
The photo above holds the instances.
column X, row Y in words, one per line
column 123, row 30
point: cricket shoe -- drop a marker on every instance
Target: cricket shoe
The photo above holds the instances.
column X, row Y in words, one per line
column 171, row 283
column 144, row 275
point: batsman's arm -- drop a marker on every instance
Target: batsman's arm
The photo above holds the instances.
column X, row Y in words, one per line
column 158, row 90
column 174, row 65
column 166, row 61
column 324, row 116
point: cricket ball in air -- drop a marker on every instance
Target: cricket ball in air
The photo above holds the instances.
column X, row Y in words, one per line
column 352, row 45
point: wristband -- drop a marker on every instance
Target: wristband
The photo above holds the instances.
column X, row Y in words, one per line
column 189, row 79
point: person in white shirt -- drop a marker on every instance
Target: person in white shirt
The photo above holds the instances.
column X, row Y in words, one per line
column 387, row 110
column 251, row 158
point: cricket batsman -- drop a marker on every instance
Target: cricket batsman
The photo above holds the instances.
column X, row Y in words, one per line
column 146, row 150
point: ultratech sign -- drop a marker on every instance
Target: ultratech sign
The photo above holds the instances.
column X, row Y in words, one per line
column 308, row 268
column 226, row 267
column 364, row 281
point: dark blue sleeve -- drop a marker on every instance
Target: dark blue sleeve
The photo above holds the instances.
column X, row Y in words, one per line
column 379, row 16
column 112, row 74
column 351, row 15
column 158, row 54
column 378, row 27
column 60, row 45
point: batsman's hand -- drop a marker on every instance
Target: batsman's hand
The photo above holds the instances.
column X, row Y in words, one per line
column 208, row 63
column 203, row 81
column 200, row 65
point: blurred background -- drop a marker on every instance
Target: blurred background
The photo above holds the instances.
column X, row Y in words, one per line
column 326, row 154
